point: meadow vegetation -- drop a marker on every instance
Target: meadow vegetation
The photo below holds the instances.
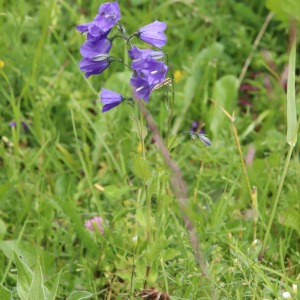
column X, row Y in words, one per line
column 63, row 162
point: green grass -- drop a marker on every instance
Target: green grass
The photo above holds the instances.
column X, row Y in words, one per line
column 74, row 163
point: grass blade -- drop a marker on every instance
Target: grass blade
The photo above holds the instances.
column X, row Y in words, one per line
column 291, row 137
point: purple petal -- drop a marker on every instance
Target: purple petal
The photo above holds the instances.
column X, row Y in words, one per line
column 93, row 48
column 108, row 107
column 83, row 27
column 153, row 34
column 140, row 56
column 92, row 67
column 110, row 99
column 108, row 96
column 153, row 71
column 108, row 15
column 154, row 26
column 142, row 89
column 157, row 39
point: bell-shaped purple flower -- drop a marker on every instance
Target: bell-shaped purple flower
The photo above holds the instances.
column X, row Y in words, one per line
column 142, row 88
column 93, row 48
column 153, row 71
column 110, row 99
column 139, row 56
column 91, row 66
column 108, row 15
column 153, row 34
column 93, row 31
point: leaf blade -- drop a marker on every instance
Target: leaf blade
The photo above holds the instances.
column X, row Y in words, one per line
column 291, row 136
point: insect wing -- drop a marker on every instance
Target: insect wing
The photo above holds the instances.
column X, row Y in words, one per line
column 204, row 139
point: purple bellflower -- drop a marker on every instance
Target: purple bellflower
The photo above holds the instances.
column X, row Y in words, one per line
column 108, row 15
column 93, row 31
column 142, row 88
column 110, row 99
column 139, row 56
column 91, row 49
column 153, row 71
column 91, row 66
column 153, row 34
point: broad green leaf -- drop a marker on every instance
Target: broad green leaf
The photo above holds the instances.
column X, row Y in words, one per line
column 291, row 136
column 173, row 141
column 290, row 218
column 5, row 294
column 141, row 168
column 53, row 281
column 62, row 185
column 25, row 276
column 285, row 10
column 37, row 289
column 78, row 295
column 224, row 93
column 28, row 252
column 154, row 251
column 169, row 254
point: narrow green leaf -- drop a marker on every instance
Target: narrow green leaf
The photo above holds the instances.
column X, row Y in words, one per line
column 291, row 136
column 5, row 294
column 78, row 295
column 37, row 289
column 141, row 168
column 225, row 93
column 25, row 276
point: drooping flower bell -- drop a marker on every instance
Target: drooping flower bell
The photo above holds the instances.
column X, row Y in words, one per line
column 142, row 88
column 96, row 65
column 110, row 99
column 93, row 48
column 108, row 15
column 139, row 56
column 153, row 71
column 153, row 34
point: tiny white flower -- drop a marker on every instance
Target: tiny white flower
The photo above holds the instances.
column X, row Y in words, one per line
column 286, row 295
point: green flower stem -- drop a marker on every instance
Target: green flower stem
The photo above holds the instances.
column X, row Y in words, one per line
column 148, row 210
column 141, row 134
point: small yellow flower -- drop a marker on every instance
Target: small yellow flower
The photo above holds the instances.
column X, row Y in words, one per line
column 178, row 75
column 140, row 147
column 2, row 64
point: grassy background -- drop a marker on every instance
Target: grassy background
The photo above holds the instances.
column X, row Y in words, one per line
column 73, row 163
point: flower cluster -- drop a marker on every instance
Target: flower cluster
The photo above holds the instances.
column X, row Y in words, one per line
column 96, row 222
column 148, row 68
column 97, row 46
